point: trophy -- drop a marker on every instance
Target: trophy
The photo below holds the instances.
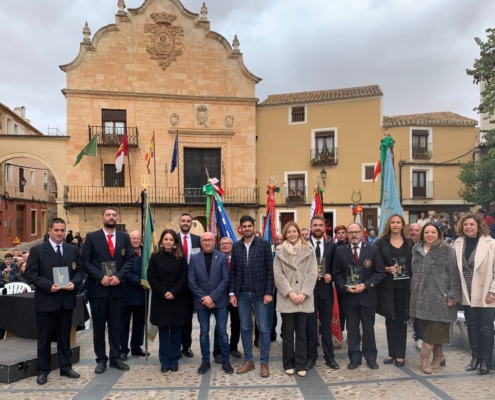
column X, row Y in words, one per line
column 402, row 272
column 321, row 262
column 109, row 268
column 353, row 275
column 61, row 276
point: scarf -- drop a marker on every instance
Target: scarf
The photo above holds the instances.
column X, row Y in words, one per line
column 292, row 250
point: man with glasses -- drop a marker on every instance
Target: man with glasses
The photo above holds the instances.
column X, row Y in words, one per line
column 358, row 269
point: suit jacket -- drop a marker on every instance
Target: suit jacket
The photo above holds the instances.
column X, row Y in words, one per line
column 216, row 285
column 39, row 272
column 95, row 251
column 261, row 263
column 373, row 272
column 325, row 290
column 195, row 243
column 133, row 291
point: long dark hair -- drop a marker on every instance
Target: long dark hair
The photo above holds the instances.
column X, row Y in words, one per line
column 176, row 251
column 440, row 236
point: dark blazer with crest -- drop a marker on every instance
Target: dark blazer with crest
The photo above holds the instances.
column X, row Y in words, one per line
column 39, row 272
column 95, row 251
column 373, row 272
column 216, row 285
column 325, row 290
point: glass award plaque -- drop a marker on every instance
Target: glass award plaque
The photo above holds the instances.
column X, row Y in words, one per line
column 353, row 275
column 321, row 262
column 61, row 276
column 402, row 271
column 109, row 268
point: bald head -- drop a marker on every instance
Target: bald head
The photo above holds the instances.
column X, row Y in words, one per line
column 207, row 242
column 415, row 232
column 135, row 239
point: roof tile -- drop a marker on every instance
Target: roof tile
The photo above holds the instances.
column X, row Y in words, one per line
column 438, row 118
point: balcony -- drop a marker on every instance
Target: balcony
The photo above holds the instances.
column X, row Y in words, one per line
column 422, row 153
column 79, row 195
column 295, row 196
column 113, row 137
column 320, row 158
column 422, row 190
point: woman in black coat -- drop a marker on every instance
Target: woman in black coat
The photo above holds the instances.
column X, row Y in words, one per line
column 167, row 276
column 395, row 290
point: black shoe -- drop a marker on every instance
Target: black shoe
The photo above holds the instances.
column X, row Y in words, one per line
column 483, row 369
column 236, row 353
column 227, row 367
column 310, row 364
column 473, row 365
column 141, row 354
column 174, row 369
column 119, row 365
column 353, row 365
column 203, row 369
column 218, row 359
column 388, row 361
column 100, row 368
column 257, row 343
column 70, row 374
column 41, row 380
column 373, row 365
column 400, row 364
column 123, row 357
column 165, row 370
column 188, row 352
column 332, row 363
column 273, row 338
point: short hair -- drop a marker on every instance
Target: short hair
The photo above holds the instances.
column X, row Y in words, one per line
column 440, row 237
column 226, row 238
column 340, row 228
column 246, row 218
column 106, row 209
column 185, row 215
column 24, row 252
column 305, row 229
column 318, row 217
column 483, row 230
column 8, row 255
column 56, row 221
column 294, row 224
column 176, row 251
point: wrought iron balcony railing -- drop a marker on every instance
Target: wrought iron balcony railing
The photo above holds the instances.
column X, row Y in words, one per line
column 295, row 196
column 422, row 190
column 323, row 157
column 422, row 153
column 108, row 136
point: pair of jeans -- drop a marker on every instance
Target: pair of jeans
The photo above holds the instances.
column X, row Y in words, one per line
column 417, row 330
column 246, row 301
column 204, row 335
column 235, row 332
column 169, row 348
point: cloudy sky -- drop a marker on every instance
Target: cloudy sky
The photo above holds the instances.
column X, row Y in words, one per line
column 416, row 50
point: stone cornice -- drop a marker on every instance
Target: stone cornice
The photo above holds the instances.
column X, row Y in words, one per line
column 202, row 132
column 186, row 13
column 31, row 137
column 153, row 96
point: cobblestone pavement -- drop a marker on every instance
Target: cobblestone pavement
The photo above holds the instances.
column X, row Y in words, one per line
column 144, row 380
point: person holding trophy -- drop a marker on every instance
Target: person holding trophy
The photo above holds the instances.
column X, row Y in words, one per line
column 357, row 270
column 395, row 290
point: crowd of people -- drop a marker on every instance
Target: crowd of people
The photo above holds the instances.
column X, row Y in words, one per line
column 406, row 272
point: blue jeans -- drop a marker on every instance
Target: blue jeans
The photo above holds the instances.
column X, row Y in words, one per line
column 417, row 330
column 244, row 302
column 169, row 348
column 204, row 335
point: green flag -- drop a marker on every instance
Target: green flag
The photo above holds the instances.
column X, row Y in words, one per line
column 89, row 150
column 148, row 242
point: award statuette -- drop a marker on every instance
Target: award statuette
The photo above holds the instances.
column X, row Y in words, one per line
column 321, row 262
column 61, row 276
column 109, row 268
column 402, row 272
column 353, row 275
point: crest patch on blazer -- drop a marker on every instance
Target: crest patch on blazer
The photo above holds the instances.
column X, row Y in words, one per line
column 367, row 263
column 74, row 265
column 122, row 252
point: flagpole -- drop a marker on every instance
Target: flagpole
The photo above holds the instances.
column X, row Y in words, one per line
column 129, row 167
column 154, row 171
column 146, row 294
column 178, row 168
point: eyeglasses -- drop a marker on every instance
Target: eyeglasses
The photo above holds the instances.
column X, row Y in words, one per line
column 226, row 244
column 353, row 233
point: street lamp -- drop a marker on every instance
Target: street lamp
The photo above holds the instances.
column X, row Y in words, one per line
column 323, row 175
column 23, row 181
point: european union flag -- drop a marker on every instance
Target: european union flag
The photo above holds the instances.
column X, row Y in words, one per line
column 390, row 195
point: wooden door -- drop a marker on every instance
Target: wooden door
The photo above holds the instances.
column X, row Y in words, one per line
column 284, row 218
column 419, row 184
column 195, row 163
column 20, row 223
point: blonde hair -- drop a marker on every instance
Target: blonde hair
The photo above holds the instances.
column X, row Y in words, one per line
column 286, row 228
column 387, row 230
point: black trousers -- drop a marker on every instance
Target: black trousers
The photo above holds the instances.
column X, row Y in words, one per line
column 54, row 323
column 365, row 315
column 397, row 327
column 479, row 322
column 106, row 312
column 324, row 306
column 235, row 332
column 294, row 357
column 186, row 334
column 137, row 335
column 341, row 311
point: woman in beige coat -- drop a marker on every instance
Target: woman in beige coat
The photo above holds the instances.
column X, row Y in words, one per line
column 475, row 252
column 295, row 274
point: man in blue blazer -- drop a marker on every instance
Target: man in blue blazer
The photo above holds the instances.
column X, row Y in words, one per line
column 107, row 245
column 209, row 282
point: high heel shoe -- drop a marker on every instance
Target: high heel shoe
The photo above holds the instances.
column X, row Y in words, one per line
column 473, row 365
column 388, row 361
column 400, row 364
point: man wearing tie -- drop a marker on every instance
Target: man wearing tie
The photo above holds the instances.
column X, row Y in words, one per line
column 112, row 248
column 54, row 304
column 323, row 297
column 359, row 299
column 190, row 245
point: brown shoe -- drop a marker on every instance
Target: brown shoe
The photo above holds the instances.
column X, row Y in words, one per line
column 246, row 367
column 265, row 371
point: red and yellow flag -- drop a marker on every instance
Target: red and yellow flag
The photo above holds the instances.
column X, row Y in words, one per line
column 150, row 153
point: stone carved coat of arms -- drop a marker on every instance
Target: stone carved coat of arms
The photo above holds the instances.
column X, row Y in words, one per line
column 164, row 41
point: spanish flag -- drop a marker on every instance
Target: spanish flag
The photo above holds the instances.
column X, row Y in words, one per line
column 123, row 151
column 150, row 153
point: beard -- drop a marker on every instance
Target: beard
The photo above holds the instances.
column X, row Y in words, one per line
column 110, row 224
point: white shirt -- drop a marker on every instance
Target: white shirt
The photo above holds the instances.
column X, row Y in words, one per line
column 247, row 250
column 54, row 245
column 358, row 248
column 189, row 244
column 113, row 236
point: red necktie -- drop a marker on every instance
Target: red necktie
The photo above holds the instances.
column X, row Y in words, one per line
column 110, row 245
column 356, row 257
column 228, row 259
column 138, row 253
column 185, row 247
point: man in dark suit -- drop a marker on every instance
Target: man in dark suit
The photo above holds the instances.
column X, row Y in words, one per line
column 190, row 244
column 133, row 305
column 209, row 282
column 107, row 245
column 7, row 267
column 359, row 300
column 323, row 298
column 54, row 304
column 251, row 285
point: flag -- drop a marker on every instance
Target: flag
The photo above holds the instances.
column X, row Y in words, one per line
column 175, row 155
column 121, row 153
column 149, row 243
column 389, row 196
column 216, row 216
column 89, row 150
column 150, row 153
column 317, row 204
column 269, row 228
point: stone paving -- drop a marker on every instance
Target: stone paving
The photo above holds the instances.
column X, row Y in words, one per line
column 144, row 380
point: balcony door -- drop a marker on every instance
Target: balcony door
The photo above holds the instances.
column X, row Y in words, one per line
column 195, row 163
column 419, row 184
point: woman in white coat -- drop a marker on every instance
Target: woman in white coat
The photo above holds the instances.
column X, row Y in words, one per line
column 475, row 252
column 295, row 274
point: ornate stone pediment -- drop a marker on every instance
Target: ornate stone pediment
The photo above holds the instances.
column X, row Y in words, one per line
column 164, row 41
